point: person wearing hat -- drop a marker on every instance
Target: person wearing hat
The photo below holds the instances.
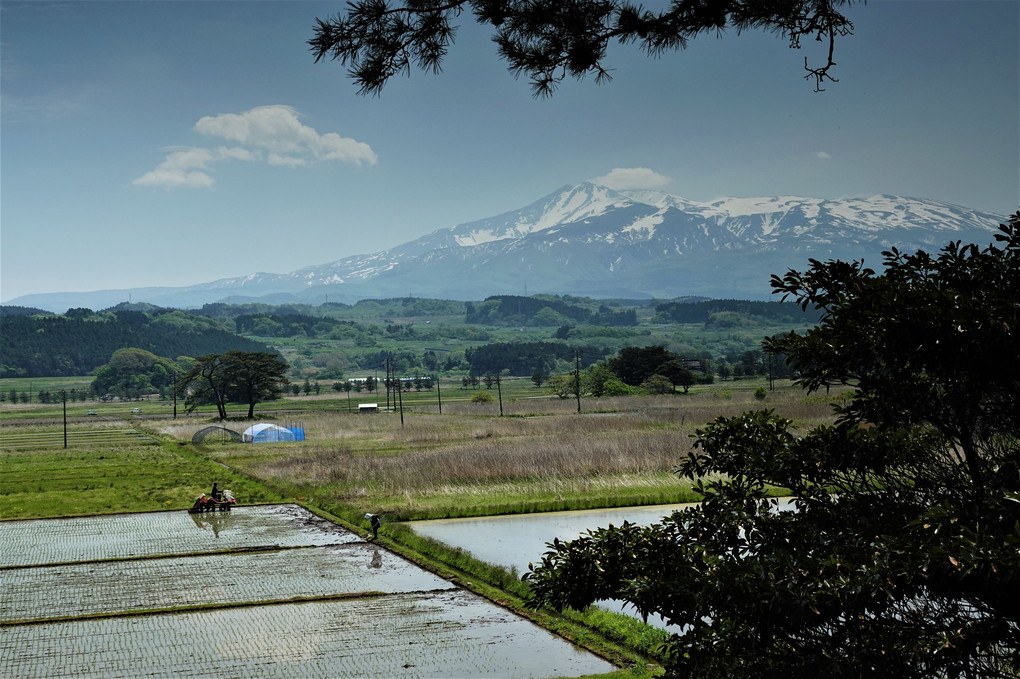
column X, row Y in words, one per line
column 376, row 523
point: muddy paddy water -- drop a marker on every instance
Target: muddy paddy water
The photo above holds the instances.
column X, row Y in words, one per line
column 146, row 595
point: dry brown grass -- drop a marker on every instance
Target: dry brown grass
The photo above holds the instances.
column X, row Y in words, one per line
column 485, row 462
column 541, row 448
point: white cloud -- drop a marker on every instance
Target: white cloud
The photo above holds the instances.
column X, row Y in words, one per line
column 822, row 155
column 238, row 153
column 632, row 178
column 272, row 133
column 182, row 168
column 276, row 129
column 286, row 161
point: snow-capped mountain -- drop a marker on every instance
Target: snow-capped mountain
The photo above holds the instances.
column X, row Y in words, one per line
column 591, row 240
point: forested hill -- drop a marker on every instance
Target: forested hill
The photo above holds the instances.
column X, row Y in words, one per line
column 81, row 341
column 723, row 311
column 545, row 310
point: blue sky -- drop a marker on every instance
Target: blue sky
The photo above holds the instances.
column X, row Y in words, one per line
column 175, row 143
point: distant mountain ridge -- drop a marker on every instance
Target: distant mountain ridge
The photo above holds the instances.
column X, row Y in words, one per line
column 593, row 241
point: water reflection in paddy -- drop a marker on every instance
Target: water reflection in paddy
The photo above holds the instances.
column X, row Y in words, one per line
column 119, row 536
column 515, row 541
column 272, row 591
column 519, row 539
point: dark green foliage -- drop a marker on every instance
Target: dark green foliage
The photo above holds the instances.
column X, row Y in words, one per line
column 399, row 361
column 595, row 379
column 287, row 325
column 634, row 365
column 54, row 346
column 248, row 377
column 901, row 557
column 414, row 306
column 13, row 310
column 543, row 310
column 133, row 372
column 256, row 376
column 527, row 358
column 678, row 373
column 705, row 310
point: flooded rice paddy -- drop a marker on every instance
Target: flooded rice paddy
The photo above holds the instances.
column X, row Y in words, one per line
column 516, row 540
column 46, row 541
column 165, row 604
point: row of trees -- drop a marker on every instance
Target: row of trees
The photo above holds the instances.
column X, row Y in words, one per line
column 47, row 396
column 657, row 370
column 370, row 384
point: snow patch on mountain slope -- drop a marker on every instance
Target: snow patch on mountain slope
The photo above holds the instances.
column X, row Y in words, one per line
column 645, row 224
column 570, row 204
column 477, row 237
column 742, row 207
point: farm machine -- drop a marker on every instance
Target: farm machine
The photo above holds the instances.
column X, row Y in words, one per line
column 216, row 501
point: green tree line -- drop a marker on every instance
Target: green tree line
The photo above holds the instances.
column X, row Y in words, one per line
column 527, row 358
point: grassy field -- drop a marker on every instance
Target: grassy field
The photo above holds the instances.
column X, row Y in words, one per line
column 105, row 471
column 540, row 455
column 37, row 384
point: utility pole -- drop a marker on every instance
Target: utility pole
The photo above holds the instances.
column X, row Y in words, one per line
column 63, row 392
column 577, row 377
column 387, row 384
column 439, row 393
column 499, row 391
column 175, row 394
column 400, row 391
